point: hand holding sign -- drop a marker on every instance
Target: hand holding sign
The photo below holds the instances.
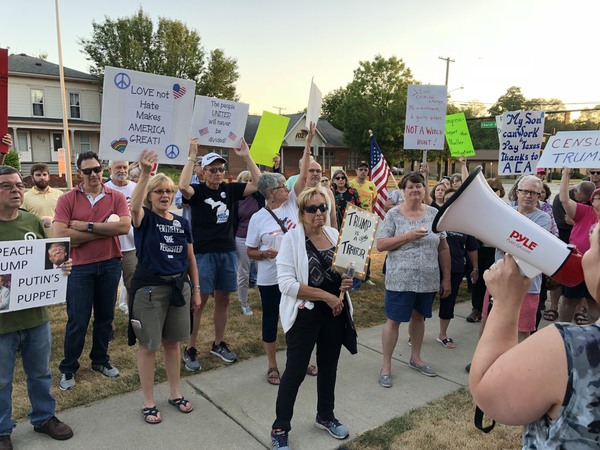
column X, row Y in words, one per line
column 147, row 161
column 244, row 150
column 193, row 151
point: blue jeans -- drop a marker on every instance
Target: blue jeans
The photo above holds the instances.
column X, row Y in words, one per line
column 90, row 287
column 35, row 346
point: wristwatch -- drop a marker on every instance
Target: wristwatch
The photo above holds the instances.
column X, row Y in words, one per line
column 90, row 227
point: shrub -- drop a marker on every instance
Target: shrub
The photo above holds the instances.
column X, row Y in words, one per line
column 12, row 159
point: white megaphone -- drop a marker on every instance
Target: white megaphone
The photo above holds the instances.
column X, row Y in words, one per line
column 476, row 210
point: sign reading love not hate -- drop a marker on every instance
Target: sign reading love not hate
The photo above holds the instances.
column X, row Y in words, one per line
column 145, row 111
column 268, row 138
column 219, row 123
column 457, row 135
column 425, row 117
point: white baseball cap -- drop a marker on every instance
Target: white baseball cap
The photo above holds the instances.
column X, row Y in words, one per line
column 207, row 160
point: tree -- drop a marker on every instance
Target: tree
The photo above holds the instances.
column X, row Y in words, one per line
column 589, row 119
column 173, row 50
column 331, row 103
column 513, row 100
column 375, row 99
column 220, row 78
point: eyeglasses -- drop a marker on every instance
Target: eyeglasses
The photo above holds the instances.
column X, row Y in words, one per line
column 312, row 209
column 281, row 187
column 162, row 192
column 315, row 170
column 594, row 172
column 340, row 178
column 89, row 171
column 526, row 193
column 216, row 169
column 11, row 186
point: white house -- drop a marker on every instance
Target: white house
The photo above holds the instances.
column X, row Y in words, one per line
column 35, row 110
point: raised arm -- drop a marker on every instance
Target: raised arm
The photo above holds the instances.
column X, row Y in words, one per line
column 305, row 161
column 464, row 171
column 424, row 170
column 186, row 174
column 6, row 140
column 244, row 152
column 563, row 194
column 137, row 197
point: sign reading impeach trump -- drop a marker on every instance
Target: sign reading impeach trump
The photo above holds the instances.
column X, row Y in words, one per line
column 31, row 274
column 355, row 241
column 145, row 111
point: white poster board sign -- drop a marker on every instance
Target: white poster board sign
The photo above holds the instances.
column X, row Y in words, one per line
column 425, row 117
column 520, row 134
column 31, row 274
column 145, row 111
column 219, row 123
column 356, row 240
column 574, row 149
column 315, row 100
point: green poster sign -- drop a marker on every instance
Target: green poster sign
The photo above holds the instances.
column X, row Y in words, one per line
column 457, row 135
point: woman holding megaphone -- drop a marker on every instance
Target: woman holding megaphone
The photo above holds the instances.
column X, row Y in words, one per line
column 549, row 382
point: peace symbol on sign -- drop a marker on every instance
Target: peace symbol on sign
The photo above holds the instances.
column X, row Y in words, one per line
column 122, row 80
column 172, row 151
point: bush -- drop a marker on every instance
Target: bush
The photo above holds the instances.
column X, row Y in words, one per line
column 577, row 175
column 12, row 159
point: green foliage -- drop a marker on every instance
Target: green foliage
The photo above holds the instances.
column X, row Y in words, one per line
column 331, row 102
column 12, row 159
column 513, row 100
column 173, row 50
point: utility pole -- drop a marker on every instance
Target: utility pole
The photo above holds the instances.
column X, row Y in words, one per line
column 448, row 61
column 279, row 109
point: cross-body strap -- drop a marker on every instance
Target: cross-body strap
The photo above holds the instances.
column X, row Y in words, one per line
column 278, row 220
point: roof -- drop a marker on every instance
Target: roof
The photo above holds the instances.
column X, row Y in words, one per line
column 22, row 63
column 331, row 135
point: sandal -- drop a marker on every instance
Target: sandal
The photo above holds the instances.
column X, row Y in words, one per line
column 150, row 413
column 312, row 370
column 273, row 376
column 182, row 404
column 550, row 315
column 581, row 318
column 447, row 342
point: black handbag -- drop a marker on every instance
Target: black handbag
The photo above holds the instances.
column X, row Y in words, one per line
column 350, row 334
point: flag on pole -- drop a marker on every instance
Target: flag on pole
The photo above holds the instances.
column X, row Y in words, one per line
column 380, row 172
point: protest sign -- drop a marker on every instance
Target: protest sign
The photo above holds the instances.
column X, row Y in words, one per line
column 315, row 99
column 520, row 134
column 145, row 111
column 219, row 123
column 457, row 135
column 574, row 149
column 356, row 240
column 3, row 97
column 268, row 138
column 425, row 117
column 30, row 273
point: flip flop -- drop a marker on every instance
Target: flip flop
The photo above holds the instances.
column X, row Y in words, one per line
column 447, row 342
column 312, row 370
column 181, row 404
column 273, row 376
column 153, row 412
column 550, row 315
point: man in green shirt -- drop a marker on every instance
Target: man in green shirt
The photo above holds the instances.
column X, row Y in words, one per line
column 26, row 331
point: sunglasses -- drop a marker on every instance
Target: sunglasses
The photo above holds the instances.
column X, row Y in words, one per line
column 216, row 169
column 594, row 172
column 340, row 178
column 162, row 192
column 311, row 209
column 89, row 171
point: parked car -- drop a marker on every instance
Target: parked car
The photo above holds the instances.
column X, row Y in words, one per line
column 396, row 171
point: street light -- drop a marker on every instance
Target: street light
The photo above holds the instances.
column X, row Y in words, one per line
column 457, row 89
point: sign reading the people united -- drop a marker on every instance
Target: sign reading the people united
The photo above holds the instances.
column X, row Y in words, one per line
column 219, row 123
column 520, row 134
column 31, row 273
column 145, row 111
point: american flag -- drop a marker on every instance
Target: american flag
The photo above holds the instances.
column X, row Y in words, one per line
column 380, row 172
column 232, row 136
column 178, row 90
column 204, row 131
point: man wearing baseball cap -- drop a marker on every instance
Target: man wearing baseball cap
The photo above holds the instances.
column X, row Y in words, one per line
column 212, row 204
column 541, row 173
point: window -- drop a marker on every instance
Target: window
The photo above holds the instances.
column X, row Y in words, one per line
column 84, row 142
column 37, row 101
column 327, row 159
column 74, row 106
column 354, row 159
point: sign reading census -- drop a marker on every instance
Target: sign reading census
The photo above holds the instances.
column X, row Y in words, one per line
column 145, row 111
column 31, row 274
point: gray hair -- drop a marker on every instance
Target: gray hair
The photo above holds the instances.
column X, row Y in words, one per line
column 269, row 181
column 9, row 170
column 585, row 188
column 530, row 178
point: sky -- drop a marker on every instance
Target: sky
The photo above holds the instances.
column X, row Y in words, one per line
column 546, row 47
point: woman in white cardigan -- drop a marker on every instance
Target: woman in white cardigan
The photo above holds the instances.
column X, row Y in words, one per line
column 310, row 312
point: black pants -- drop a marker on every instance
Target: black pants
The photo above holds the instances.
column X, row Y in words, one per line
column 485, row 258
column 316, row 326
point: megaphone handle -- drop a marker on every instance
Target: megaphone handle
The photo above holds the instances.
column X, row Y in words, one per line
column 527, row 270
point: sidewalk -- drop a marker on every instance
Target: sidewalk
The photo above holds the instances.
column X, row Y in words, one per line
column 235, row 406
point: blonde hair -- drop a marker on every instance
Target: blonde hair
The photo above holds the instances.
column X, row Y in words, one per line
column 305, row 197
column 243, row 174
column 159, row 180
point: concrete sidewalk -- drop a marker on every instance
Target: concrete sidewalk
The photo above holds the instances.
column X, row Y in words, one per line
column 235, row 406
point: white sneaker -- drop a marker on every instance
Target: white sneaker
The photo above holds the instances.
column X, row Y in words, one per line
column 246, row 310
column 370, row 283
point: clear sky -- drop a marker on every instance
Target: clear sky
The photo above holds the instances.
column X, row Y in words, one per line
column 546, row 47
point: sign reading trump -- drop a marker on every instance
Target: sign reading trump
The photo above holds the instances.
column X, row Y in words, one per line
column 145, row 111
column 31, row 273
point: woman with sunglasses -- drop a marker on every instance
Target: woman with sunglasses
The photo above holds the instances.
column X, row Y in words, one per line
column 549, row 382
column 311, row 313
column 344, row 194
column 161, row 288
column 416, row 256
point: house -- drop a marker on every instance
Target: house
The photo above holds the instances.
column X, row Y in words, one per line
column 35, row 110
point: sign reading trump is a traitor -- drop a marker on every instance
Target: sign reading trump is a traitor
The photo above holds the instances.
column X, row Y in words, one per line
column 574, row 149
column 31, row 273
column 145, row 111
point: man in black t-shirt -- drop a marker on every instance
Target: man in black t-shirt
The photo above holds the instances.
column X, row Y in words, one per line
column 212, row 206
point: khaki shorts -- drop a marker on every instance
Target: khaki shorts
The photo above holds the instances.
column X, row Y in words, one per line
column 158, row 318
